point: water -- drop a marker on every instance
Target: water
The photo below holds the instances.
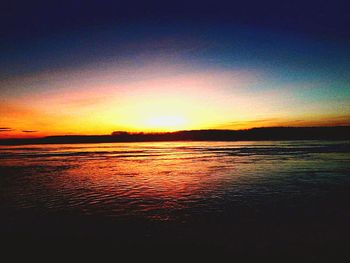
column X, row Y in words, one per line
column 224, row 194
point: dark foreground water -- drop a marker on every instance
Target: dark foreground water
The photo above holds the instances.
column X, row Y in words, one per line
column 270, row 199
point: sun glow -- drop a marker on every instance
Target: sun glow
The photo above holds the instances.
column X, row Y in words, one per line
column 166, row 122
column 156, row 98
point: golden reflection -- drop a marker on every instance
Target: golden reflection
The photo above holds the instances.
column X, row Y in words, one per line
column 152, row 180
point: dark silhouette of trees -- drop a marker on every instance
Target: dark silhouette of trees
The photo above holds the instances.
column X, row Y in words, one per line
column 272, row 133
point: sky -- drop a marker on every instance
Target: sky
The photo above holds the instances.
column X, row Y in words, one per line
column 94, row 67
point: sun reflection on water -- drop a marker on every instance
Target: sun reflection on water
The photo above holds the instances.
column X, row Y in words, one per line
column 159, row 181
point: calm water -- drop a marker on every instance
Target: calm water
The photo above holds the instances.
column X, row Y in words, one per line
column 216, row 193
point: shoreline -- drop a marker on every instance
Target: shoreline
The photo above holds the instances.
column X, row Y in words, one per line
column 336, row 133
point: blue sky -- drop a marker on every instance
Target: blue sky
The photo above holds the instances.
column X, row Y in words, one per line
column 292, row 58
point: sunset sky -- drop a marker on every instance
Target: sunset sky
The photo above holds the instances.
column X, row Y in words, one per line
column 91, row 68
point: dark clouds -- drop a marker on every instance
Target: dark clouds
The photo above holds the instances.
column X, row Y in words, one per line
column 29, row 131
column 8, row 129
column 31, row 18
column 5, row 129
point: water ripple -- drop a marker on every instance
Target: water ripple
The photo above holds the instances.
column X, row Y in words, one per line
column 168, row 181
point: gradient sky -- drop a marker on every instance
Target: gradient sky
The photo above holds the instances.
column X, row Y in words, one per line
column 85, row 67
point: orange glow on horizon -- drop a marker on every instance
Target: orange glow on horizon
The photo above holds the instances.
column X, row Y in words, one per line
column 166, row 122
column 161, row 100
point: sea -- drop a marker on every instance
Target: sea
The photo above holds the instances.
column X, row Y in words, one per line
column 266, row 198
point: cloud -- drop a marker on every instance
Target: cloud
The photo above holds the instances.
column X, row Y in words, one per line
column 5, row 129
column 258, row 121
column 29, row 131
column 343, row 120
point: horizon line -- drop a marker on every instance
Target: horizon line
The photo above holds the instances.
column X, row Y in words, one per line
column 131, row 133
column 188, row 130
